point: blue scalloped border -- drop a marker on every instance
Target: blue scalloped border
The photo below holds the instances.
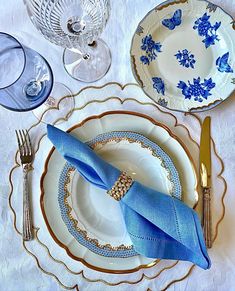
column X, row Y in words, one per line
column 61, row 192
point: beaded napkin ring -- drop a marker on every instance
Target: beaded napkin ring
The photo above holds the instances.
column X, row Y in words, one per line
column 121, row 186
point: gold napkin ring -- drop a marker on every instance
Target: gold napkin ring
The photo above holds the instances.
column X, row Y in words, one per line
column 121, row 186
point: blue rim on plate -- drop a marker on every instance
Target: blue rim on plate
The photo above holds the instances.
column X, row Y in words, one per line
column 183, row 55
column 80, row 235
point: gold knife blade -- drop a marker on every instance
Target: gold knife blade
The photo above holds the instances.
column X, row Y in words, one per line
column 205, row 178
column 205, row 154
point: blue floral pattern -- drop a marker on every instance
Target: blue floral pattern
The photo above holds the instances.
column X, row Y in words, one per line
column 185, row 58
column 207, row 30
column 151, row 48
column 223, row 65
column 159, row 85
column 199, row 90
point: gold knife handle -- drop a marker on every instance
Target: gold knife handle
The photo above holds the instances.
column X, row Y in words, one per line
column 207, row 217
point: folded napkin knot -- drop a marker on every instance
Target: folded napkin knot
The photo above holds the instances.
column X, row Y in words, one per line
column 121, row 186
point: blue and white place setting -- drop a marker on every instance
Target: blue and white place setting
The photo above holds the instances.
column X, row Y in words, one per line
column 117, row 145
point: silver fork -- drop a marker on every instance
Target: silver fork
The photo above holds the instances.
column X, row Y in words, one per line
column 26, row 157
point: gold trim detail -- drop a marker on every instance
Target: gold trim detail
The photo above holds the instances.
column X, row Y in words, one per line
column 225, row 190
column 233, row 24
column 180, row 279
column 64, row 119
column 133, row 63
column 68, row 193
column 46, row 272
column 165, row 5
column 213, row 104
column 46, row 169
column 155, row 155
column 75, row 221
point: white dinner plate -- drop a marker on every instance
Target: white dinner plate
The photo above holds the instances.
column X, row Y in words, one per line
column 50, row 180
column 182, row 55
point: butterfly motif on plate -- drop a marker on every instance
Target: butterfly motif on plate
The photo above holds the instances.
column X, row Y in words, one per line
column 159, row 85
column 171, row 23
column 222, row 64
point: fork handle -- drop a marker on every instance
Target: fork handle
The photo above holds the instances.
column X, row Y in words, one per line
column 207, row 217
column 27, row 218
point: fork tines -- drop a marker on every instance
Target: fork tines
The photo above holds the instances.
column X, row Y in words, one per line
column 24, row 143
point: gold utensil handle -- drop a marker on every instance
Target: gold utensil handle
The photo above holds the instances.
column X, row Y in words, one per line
column 207, row 217
column 27, row 219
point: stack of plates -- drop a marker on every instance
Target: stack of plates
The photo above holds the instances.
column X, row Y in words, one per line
column 79, row 229
column 85, row 221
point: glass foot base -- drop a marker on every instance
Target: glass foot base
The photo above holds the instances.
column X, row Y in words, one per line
column 88, row 66
column 33, row 89
column 58, row 107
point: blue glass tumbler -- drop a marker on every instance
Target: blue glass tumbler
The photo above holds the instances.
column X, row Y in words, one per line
column 26, row 79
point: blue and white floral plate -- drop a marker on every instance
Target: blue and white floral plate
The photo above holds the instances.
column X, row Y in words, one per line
column 183, row 55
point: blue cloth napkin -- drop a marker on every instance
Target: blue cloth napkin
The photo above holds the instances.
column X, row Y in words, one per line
column 159, row 225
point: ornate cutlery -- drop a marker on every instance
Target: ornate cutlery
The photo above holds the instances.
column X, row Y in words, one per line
column 26, row 157
column 205, row 179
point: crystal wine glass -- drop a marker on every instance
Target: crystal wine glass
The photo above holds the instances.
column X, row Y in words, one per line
column 26, row 78
column 76, row 26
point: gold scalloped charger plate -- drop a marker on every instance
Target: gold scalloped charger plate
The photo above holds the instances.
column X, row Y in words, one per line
column 45, row 252
column 182, row 55
column 98, row 212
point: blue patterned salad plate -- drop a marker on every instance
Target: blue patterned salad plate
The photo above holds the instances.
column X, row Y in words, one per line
column 183, row 56
column 133, row 147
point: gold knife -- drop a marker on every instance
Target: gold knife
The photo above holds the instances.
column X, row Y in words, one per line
column 205, row 177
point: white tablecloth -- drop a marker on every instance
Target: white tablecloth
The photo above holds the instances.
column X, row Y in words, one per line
column 18, row 271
